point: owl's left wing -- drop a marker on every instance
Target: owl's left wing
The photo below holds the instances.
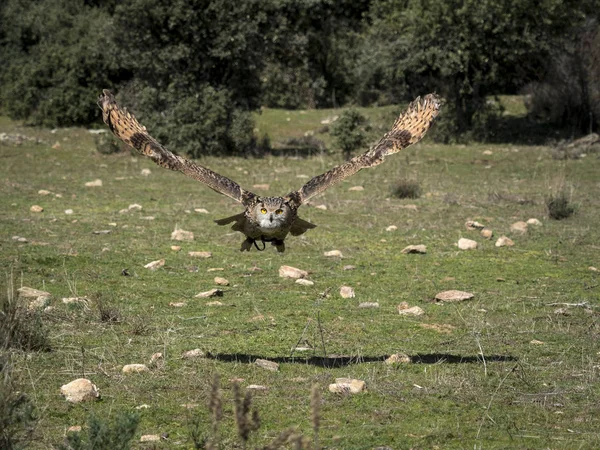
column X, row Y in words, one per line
column 126, row 127
column 409, row 128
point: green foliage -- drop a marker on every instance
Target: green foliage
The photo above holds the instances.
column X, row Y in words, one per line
column 105, row 434
column 20, row 327
column 406, row 188
column 559, row 206
column 348, row 131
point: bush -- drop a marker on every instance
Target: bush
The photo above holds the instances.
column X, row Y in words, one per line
column 406, row 188
column 348, row 132
column 559, row 206
column 21, row 328
column 307, row 144
column 104, row 434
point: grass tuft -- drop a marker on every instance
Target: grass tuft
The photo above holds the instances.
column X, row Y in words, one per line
column 559, row 206
column 406, row 188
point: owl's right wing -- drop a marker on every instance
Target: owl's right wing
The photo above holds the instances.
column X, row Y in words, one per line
column 409, row 128
column 126, row 127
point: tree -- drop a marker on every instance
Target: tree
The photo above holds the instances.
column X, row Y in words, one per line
column 348, row 132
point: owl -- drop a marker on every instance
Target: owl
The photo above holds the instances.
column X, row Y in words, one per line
column 271, row 219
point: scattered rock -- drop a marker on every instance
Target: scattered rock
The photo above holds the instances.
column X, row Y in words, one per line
column 562, row 312
column 593, row 269
column 503, row 241
column 335, row 253
column 398, row 358
column 347, row 386
column 182, row 235
column 466, row 244
column 268, row 365
column 142, row 406
column 101, row 231
column 68, row 212
column 256, row 387
column 192, row 354
column 156, row 357
column 292, row 272
column 261, row 187
column 519, row 227
column 135, row 368
column 44, row 192
column 536, row 342
column 201, row 210
column 80, row 390
column 368, row 305
column 155, row 264
column 200, row 254
column 422, row 249
column 323, row 207
column 356, row 188
column 349, row 267
column 472, row 225
column 56, row 145
column 95, row 183
column 210, row 294
column 215, row 303
column 36, row 209
column 304, row 282
column 27, row 292
column 221, row 281
column 74, row 429
column 177, row 304
column 134, row 206
column 75, row 301
column 347, row 292
column 176, row 248
column 150, row 438
column 410, row 207
column 405, row 310
column 145, row 172
column 486, row 233
column 391, row 228
column 453, row 296
column 534, row 222
column 488, row 152
column 40, row 302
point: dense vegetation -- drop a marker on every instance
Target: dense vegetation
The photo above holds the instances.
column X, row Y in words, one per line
column 194, row 70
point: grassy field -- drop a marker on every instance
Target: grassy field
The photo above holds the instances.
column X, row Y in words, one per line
column 502, row 370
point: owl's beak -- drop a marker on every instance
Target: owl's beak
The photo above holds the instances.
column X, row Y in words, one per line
column 271, row 218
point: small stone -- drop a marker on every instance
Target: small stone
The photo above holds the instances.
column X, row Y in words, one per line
column 155, row 264
column 142, row 406
column 145, row 172
column 28, row 292
column 347, row 292
column 519, row 227
column 75, row 301
column 536, row 342
column 182, row 235
column 391, row 228
column 268, row 365
column 256, row 387
column 215, row 269
column 503, row 241
column 200, row 254
column 404, row 310
column 304, row 282
column 221, row 281
column 453, row 296
column 56, row 145
column 323, row 207
column 593, row 269
column 486, row 233
column 210, row 294
column 176, row 248
column 534, row 222
column 398, row 358
column 488, row 152
column 192, row 354
column 74, row 429
column 356, row 188
column 95, row 183
column 410, row 207
column 177, row 304
column 40, row 302
column 36, row 209
column 80, row 390
column 150, row 438
column 99, row 231
column 22, row 239
column 472, row 225
column 334, row 253
column 422, row 249
column 68, row 212
column 466, row 244
column 156, row 357
column 349, row 267
column 201, row 210
column 347, row 386
column 135, row 368
column 44, row 192
column 562, row 312
column 215, row 303
column 261, row 187
column 134, row 206
column 292, row 272
column 368, row 305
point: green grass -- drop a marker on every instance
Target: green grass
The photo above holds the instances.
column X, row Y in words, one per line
column 523, row 395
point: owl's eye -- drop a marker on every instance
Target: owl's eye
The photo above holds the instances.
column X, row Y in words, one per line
column 279, row 211
column 263, row 211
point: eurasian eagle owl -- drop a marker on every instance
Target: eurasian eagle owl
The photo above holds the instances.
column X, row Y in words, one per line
column 271, row 219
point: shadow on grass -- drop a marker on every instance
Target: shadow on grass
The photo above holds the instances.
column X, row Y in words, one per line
column 333, row 361
column 522, row 130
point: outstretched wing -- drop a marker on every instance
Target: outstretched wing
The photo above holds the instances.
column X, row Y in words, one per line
column 408, row 129
column 126, row 127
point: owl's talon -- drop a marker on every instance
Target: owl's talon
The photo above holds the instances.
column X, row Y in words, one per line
column 247, row 245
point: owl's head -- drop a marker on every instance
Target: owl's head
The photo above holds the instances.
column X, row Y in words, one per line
column 271, row 213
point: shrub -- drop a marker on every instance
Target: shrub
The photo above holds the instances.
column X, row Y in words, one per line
column 104, row 434
column 348, row 132
column 21, row 328
column 406, row 188
column 307, row 144
column 559, row 206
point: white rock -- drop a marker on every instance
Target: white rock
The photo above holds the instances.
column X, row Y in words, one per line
column 156, row 357
column 182, row 235
column 95, row 183
column 80, row 390
column 36, row 209
column 466, row 244
column 323, row 207
column 486, row 233
column 453, row 296
column 27, row 292
column 215, row 303
column 268, row 365
column 593, row 269
column 398, row 358
column 74, row 429
column 472, row 225
column 44, row 192
column 149, row 438
column 200, row 254
column 175, row 248
column 201, row 210
column 256, row 387
column 347, row 386
column 75, row 301
column 368, row 305
column 147, row 217
column 142, row 406
column 192, row 354
column 349, row 267
column 356, row 188
column 334, row 253
column 304, row 282
column 422, row 249
column 503, row 241
column 215, row 269
column 405, row 310
column 347, row 292
column 177, row 304
column 519, row 227
column 536, row 342
column 146, row 172
column 261, row 187
column 68, row 212
column 209, row 294
column 488, row 152
column 134, row 206
column 534, row 222
column 292, row 272
column 155, row 264
column 391, row 228
column 221, row 281
column 135, row 368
